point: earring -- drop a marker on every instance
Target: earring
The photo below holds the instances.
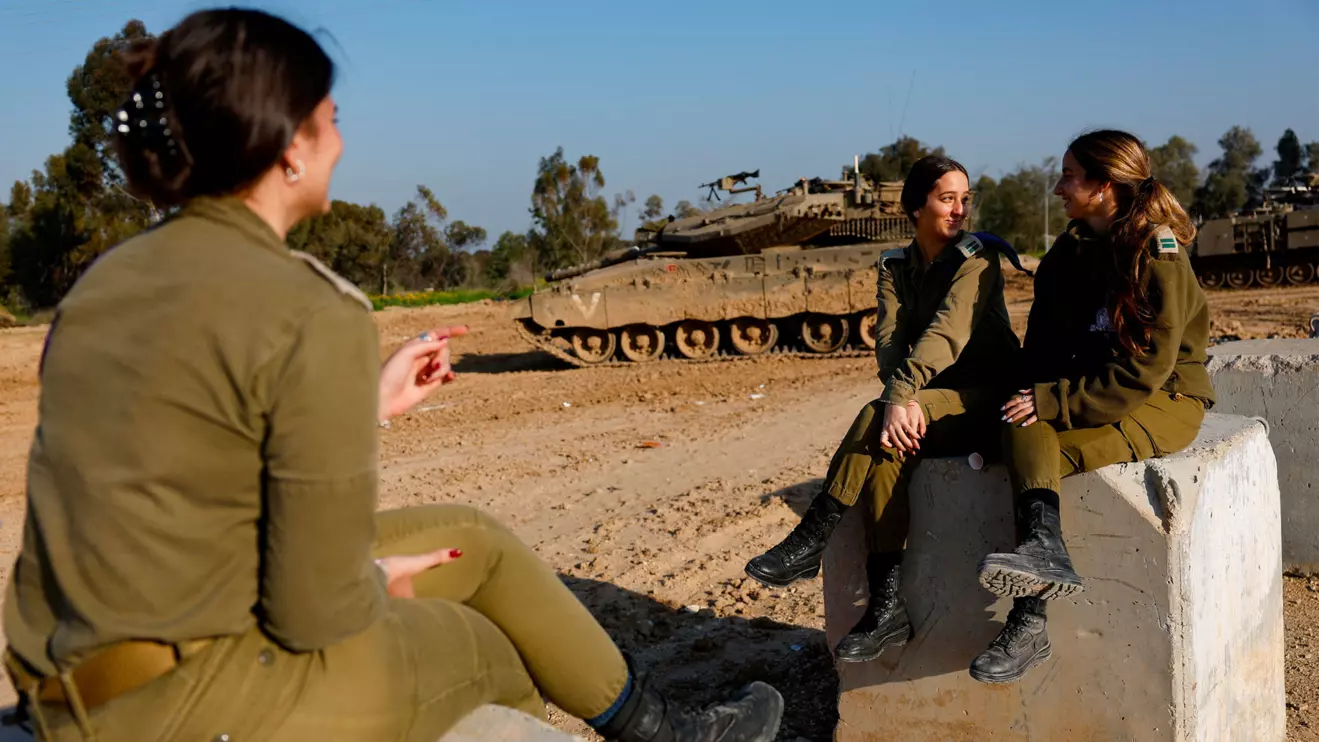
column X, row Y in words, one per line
column 295, row 177
column 1101, row 197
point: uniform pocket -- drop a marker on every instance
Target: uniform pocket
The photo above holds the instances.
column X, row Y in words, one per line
column 1170, row 421
column 1094, row 448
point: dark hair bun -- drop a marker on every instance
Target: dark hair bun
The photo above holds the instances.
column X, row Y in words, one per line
column 215, row 102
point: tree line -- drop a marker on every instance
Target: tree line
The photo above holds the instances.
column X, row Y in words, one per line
column 58, row 221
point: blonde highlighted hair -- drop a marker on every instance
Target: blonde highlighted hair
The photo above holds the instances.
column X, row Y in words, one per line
column 1143, row 206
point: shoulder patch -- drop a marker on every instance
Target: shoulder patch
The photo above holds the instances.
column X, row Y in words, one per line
column 970, row 246
column 339, row 282
column 1166, row 241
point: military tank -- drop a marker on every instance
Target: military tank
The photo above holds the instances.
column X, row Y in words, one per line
column 1273, row 244
column 791, row 273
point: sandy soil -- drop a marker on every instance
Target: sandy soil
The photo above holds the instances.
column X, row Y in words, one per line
column 649, row 488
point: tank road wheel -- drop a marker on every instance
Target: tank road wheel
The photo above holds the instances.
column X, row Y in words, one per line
column 866, row 325
column 696, row 339
column 1212, row 279
column 823, row 333
column 750, row 336
column 1300, row 273
column 1239, row 278
column 1268, row 277
column 593, row 346
column 641, row 343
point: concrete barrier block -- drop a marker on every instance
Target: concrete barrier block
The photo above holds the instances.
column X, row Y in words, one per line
column 1177, row 636
column 492, row 723
column 1278, row 380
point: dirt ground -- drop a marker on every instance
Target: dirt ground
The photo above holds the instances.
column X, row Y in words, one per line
column 649, row 488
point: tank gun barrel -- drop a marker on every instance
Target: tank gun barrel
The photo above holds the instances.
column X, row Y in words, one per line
column 604, row 261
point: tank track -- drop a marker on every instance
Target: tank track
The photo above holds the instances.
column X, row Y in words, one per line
column 543, row 341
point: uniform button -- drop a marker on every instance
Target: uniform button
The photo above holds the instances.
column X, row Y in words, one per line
column 221, row 738
column 265, row 657
column 1177, row 395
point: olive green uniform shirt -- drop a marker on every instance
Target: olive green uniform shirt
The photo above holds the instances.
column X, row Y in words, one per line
column 945, row 324
column 205, row 458
column 1081, row 375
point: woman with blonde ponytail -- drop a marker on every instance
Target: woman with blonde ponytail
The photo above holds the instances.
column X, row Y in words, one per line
column 1114, row 371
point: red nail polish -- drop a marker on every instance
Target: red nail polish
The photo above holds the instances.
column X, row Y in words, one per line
column 455, row 553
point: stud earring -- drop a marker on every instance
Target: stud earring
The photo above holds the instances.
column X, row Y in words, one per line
column 295, row 177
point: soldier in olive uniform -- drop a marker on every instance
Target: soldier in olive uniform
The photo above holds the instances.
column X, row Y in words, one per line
column 946, row 351
column 201, row 557
column 1114, row 370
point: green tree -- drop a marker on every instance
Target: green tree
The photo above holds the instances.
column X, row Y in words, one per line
column 1291, row 160
column 893, row 161
column 574, row 223
column 1232, row 179
column 653, row 208
column 511, row 261
column 1173, row 163
column 418, row 254
column 462, row 268
column 4, row 251
column 77, row 208
column 1312, row 157
column 1015, row 206
column 685, row 209
column 353, row 240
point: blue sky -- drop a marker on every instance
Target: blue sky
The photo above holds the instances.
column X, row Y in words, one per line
column 467, row 96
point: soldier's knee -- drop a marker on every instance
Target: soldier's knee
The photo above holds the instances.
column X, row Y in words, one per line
column 421, row 517
column 1037, row 435
column 868, row 413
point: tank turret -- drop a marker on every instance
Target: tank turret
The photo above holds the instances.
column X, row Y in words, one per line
column 791, row 272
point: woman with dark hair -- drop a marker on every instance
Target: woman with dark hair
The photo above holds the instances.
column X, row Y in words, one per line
column 1114, row 370
column 201, row 557
column 945, row 347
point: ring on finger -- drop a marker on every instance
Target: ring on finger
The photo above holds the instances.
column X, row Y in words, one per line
column 426, row 337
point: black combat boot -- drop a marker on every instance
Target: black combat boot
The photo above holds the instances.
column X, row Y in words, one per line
column 799, row 554
column 1040, row 567
column 1021, row 645
column 751, row 715
column 885, row 622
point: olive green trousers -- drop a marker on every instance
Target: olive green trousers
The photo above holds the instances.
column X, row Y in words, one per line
column 961, row 422
column 496, row 625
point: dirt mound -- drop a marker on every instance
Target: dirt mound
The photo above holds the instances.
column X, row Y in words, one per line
column 7, row 319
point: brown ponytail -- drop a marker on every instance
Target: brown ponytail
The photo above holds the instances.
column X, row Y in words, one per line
column 1144, row 205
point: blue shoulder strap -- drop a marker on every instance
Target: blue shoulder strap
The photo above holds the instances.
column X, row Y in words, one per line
column 998, row 243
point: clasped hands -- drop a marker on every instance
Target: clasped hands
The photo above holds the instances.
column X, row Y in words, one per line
column 904, row 425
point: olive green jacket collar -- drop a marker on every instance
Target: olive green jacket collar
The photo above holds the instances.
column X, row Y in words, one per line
column 231, row 210
column 916, row 263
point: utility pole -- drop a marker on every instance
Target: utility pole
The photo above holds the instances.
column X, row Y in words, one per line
column 1046, row 210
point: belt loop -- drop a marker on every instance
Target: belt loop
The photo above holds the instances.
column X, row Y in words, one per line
column 74, row 700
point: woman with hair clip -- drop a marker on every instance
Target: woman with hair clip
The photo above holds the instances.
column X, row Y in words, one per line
column 202, row 559
column 945, row 350
column 1114, row 371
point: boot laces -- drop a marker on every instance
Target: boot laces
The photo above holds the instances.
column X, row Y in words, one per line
column 1016, row 628
column 800, row 537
